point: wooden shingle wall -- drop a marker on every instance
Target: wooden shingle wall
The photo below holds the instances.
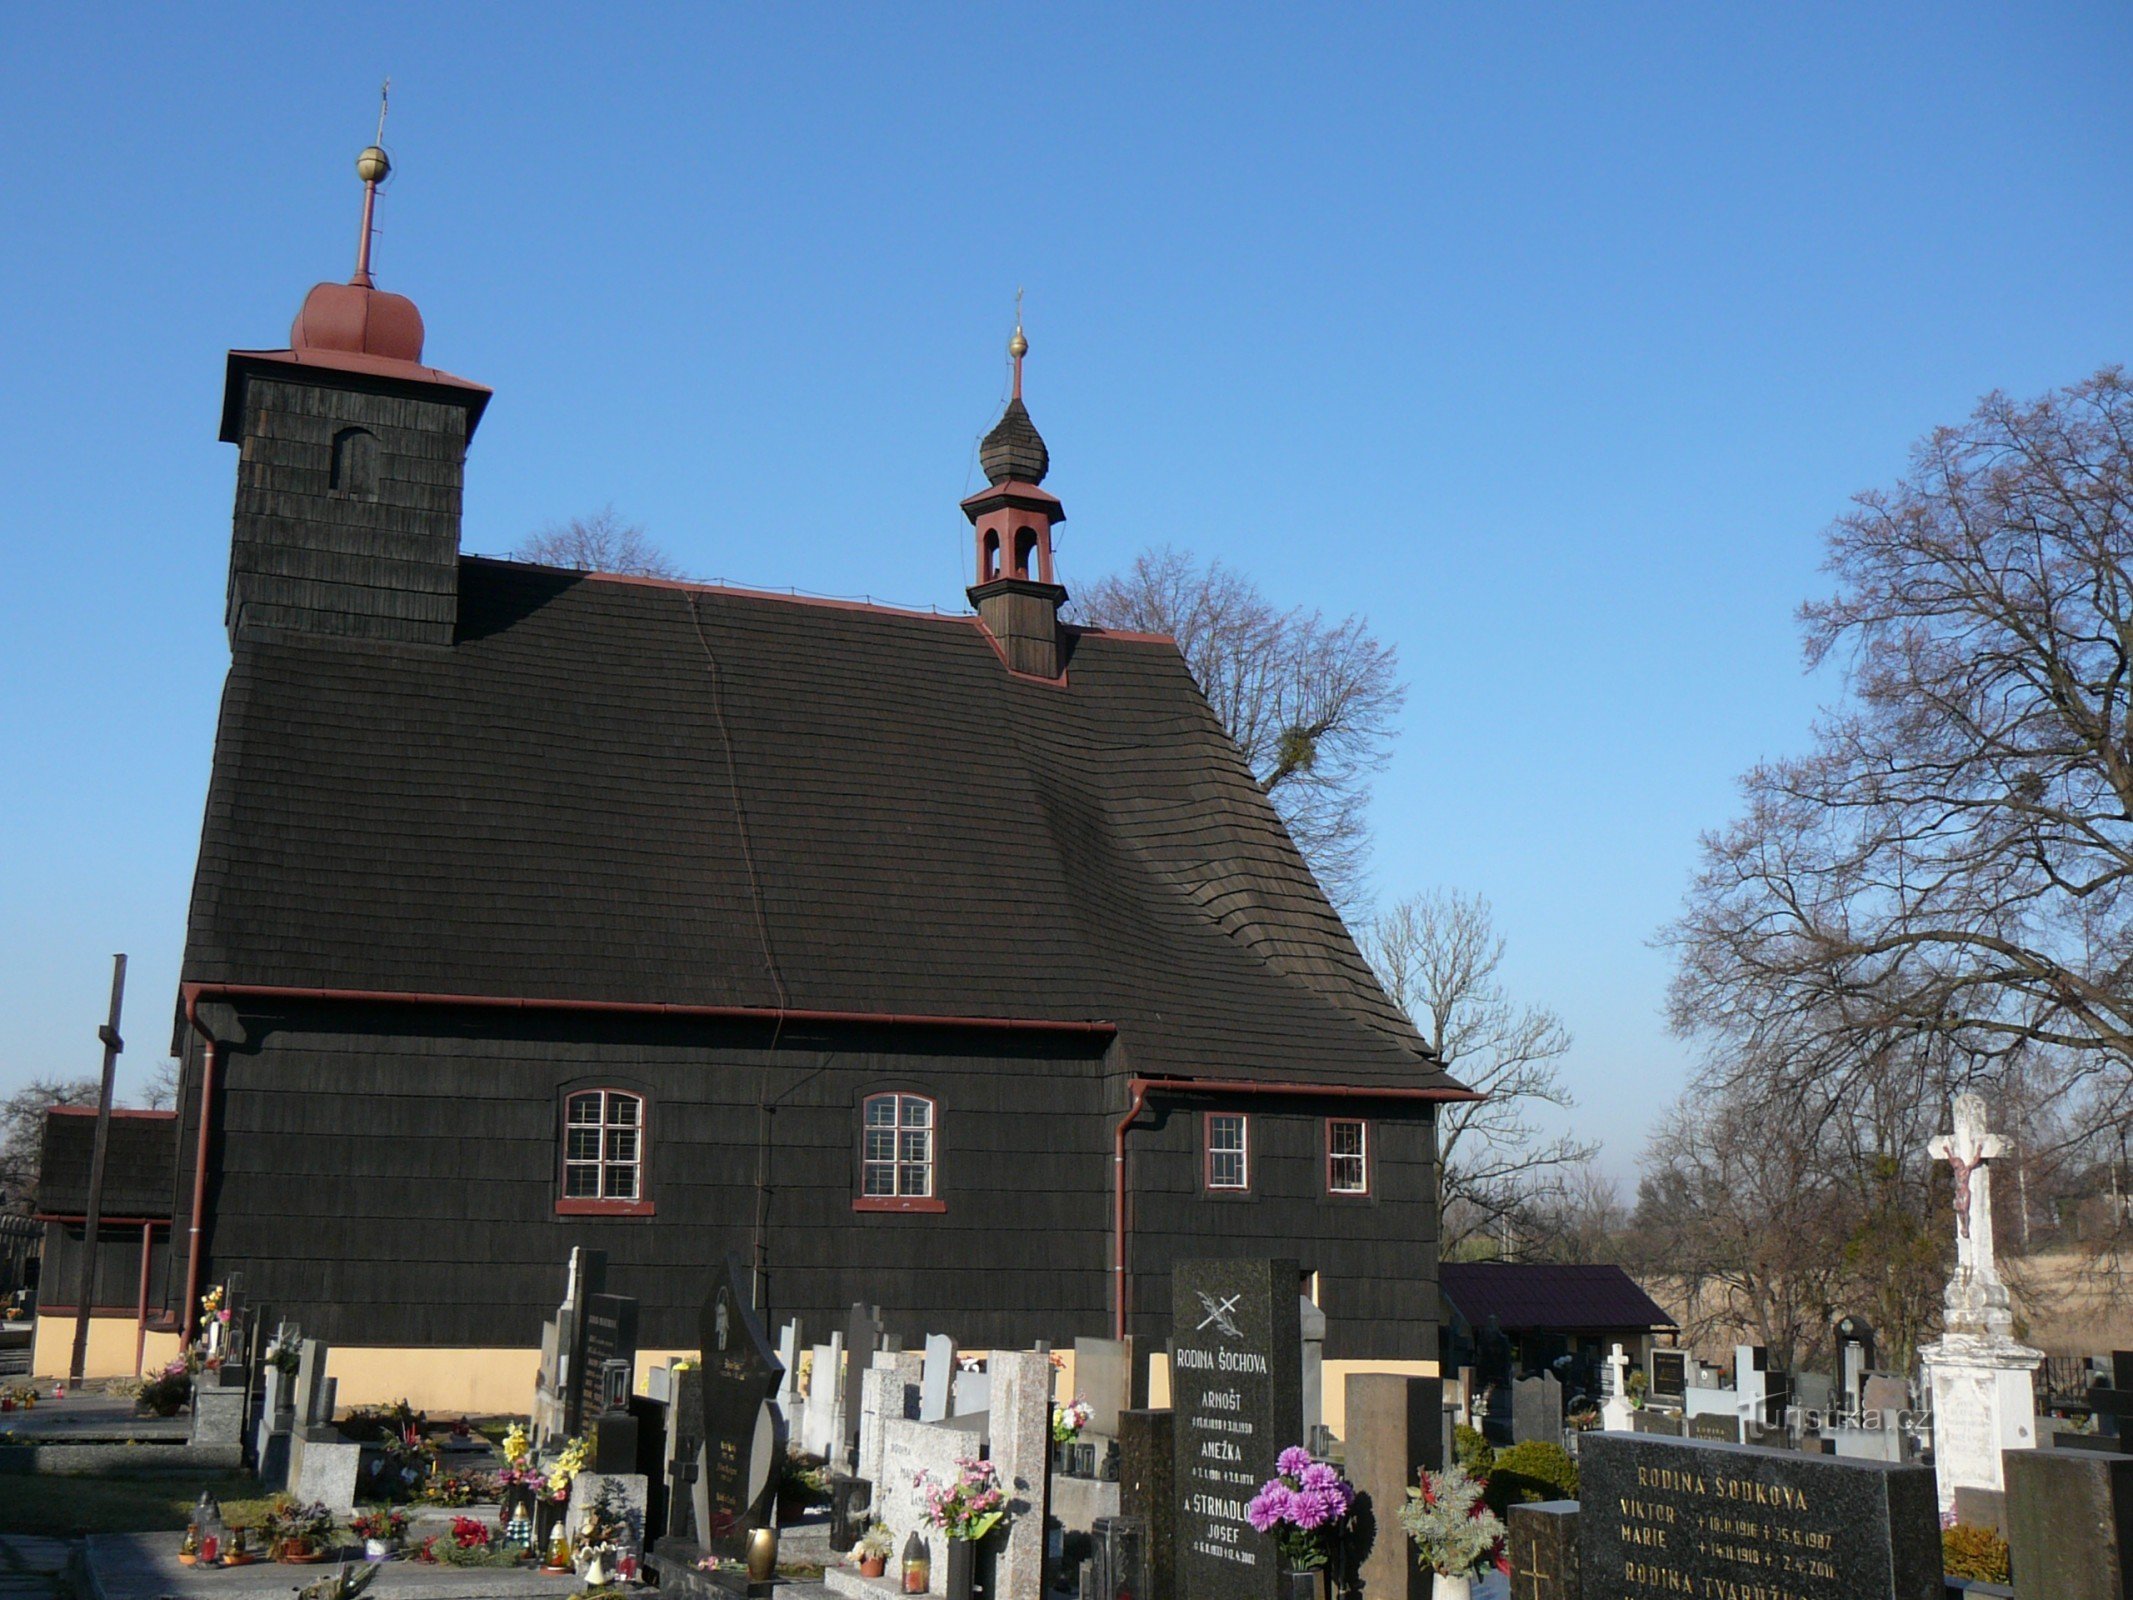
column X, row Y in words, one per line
column 379, row 561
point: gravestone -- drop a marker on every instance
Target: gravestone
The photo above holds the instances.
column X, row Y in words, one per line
column 742, row 1432
column 685, row 1443
column 862, row 1337
column 311, row 1383
column 608, row 1363
column 585, row 1277
column 1020, row 1440
column 1313, row 1329
column 627, row 1496
column 1542, row 1543
column 1681, row 1517
column 547, row 1422
column 911, row 1451
column 1147, row 1472
column 882, row 1398
column 1714, row 1428
column 1537, row 1410
column 825, row 1391
column 2070, row 1524
column 1670, row 1376
column 1236, row 1384
column 972, row 1394
column 789, row 1347
column 1103, row 1376
column 939, row 1378
column 1395, row 1428
column 1666, row 1424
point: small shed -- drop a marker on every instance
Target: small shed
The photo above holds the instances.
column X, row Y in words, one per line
column 132, row 1257
column 1513, row 1319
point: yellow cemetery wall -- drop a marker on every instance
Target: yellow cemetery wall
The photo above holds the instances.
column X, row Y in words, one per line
column 110, row 1353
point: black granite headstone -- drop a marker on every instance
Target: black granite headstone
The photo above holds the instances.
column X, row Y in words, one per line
column 685, row 1440
column 1714, row 1427
column 862, row 1337
column 742, row 1432
column 1679, row 1517
column 607, row 1333
column 1147, row 1471
column 1665, row 1423
column 1543, row 1550
column 1670, row 1375
column 1236, row 1386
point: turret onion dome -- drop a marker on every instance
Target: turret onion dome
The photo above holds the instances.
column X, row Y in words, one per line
column 356, row 317
column 1014, row 450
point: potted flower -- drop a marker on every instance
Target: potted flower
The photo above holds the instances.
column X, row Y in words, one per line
column 1306, row 1506
column 1067, row 1423
column 964, row 1510
column 297, row 1532
column 165, row 1394
column 381, row 1530
column 873, row 1550
column 1456, row 1535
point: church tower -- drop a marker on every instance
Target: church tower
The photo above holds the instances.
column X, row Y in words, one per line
column 351, row 466
column 1016, row 594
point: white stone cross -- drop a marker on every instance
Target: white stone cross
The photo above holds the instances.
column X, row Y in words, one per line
column 1616, row 1413
column 1969, row 1152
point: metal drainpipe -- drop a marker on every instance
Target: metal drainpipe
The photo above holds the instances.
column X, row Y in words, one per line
column 188, row 1321
column 1140, row 1087
column 140, row 1316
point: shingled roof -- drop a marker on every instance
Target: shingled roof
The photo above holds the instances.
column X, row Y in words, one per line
column 1547, row 1297
column 139, row 1165
column 548, row 809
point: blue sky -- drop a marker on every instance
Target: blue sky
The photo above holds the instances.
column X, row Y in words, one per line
column 1550, row 338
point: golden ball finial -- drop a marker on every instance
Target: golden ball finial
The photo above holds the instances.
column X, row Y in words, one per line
column 373, row 164
column 1018, row 347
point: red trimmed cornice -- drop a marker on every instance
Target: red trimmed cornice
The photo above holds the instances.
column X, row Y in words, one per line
column 195, row 993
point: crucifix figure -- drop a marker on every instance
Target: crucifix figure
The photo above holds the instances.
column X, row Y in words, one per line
column 1974, row 1293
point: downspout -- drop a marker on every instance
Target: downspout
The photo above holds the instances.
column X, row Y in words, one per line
column 1140, row 1087
column 187, row 1322
column 140, row 1316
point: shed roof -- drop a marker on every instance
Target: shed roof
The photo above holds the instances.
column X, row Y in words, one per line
column 139, row 1167
column 1544, row 1297
column 625, row 790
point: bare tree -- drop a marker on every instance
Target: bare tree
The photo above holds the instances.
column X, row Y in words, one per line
column 1437, row 955
column 1955, row 856
column 1581, row 1222
column 602, row 542
column 162, row 1091
column 1310, row 703
column 22, row 1128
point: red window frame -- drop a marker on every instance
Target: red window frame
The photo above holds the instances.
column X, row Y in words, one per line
column 1243, row 1152
column 608, row 1129
column 1360, row 1155
column 899, row 1129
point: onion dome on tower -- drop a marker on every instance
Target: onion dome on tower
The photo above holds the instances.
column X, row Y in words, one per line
column 1016, row 595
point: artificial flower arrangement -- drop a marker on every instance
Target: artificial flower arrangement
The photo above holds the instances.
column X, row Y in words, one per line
column 871, row 1554
column 969, row 1507
column 1456, row 1535
column 18, row 1397
column 563, row 1471
column 285, row 1353
column 1305, row 1506
column 516, row 1446
column 165, row 1394
column 381, row 1530
column 296, row 1530
column 1069, row 1420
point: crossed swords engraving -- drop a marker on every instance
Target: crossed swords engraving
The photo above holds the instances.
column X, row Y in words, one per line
column 1218, row 1313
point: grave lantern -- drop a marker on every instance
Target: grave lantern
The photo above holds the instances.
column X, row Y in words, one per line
column 918, row 1565
column 1119, row 1559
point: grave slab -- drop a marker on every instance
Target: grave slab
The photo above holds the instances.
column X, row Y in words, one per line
column 1021, row 1446
column 1732, row 1519
column 1147, row 1468
column 1543, row 1547
column 908, row 1450
column 1395, row 1428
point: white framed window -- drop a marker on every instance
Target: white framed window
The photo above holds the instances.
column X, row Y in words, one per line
column 1229, row 1157
column 603, row 1145
column 1347, row 1156
column 897, row 1147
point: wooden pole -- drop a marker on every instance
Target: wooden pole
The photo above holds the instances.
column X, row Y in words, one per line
column 92, row 1224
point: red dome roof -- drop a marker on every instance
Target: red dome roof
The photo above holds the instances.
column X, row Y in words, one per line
column 360, row 320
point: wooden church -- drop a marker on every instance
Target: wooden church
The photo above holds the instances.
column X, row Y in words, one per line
column 955, row 964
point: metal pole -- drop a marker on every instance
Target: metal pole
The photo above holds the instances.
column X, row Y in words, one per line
column 92, row 1224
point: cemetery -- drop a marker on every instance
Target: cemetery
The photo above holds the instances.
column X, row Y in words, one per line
column 839, row 1459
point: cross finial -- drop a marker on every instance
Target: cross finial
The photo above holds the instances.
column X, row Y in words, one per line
column 372, row 166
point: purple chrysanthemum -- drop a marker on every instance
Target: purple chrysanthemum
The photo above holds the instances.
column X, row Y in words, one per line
column 1293, row 1462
